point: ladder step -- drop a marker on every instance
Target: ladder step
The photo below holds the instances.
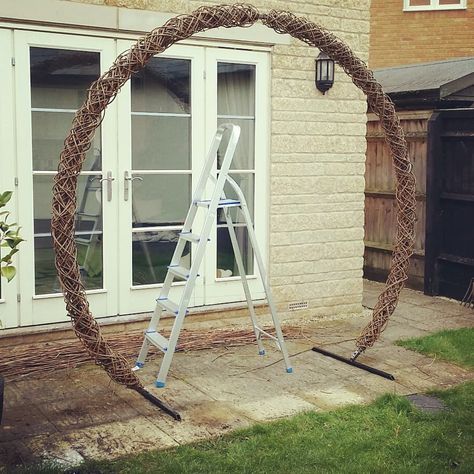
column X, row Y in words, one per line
column 190, row 237
column 169, row 305
column 179, row 271
column 157, row 340
column 221, row 203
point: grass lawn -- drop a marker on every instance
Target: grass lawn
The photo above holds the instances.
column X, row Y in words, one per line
column 388, row 436
column 456, row 345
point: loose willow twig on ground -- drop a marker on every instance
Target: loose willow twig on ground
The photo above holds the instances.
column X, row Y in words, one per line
column 44, row 358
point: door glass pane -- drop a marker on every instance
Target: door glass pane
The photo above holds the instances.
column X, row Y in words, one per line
column 236, row 89
column 160, row 200
column 88, row 233
column 236, row 104
column 60, row 77
column 163, row 85
column 49, row 129
column 244, row 153
column 151, row 255
column 226, row 264
column 161, row 142
column 59, row 81
column 89, row 257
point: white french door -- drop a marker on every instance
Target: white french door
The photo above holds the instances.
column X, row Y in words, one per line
column 237, row 88
column 52, row 74
column 8, row 291
column 138, row 177
column 161, row 142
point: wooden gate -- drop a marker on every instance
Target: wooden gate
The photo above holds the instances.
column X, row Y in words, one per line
column 450, row 206
column 380, row 214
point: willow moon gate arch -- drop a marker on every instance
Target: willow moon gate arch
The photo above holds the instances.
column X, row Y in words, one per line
column 103, row 91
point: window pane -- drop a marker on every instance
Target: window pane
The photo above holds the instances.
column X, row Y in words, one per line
column 235, row 89
column 160, row 200
column 60, row 77
column 163, row 85
column 161, row 143
column 244, row 156
column 49, row 131
column 450, row 2
column 151, row 255
column 226, row 264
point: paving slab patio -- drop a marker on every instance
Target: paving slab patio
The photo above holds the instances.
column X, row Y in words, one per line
column 77, row 414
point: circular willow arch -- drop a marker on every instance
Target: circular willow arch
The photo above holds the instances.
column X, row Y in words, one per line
column 103, row 91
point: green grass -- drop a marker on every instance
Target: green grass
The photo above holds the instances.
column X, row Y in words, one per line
column 388, row 436
column 453, row 345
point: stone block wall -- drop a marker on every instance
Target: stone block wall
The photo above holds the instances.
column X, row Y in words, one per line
column 317, row 163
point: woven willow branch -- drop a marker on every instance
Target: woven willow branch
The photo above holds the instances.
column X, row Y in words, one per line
column 103, row 91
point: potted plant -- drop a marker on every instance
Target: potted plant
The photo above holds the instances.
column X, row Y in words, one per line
column 9, row 241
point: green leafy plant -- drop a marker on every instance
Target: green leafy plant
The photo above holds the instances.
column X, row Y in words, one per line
column 9, row 239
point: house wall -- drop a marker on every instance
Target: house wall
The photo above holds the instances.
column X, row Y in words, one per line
column 317, row 163
column 399, row 37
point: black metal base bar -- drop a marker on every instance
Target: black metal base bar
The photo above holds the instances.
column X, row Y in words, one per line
column 156, row 401
column 354, row 363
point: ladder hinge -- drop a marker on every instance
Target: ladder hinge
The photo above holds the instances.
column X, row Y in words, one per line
column 16, row 181
column 18, row 298
column 13, row 61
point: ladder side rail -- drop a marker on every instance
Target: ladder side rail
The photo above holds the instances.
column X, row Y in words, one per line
column 263, row 274
column 243, row 277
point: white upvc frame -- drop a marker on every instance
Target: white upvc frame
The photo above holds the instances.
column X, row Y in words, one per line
column 434, row 5
column 228, row 290
column 9, row 311
column 138, row 299
column 41, row 309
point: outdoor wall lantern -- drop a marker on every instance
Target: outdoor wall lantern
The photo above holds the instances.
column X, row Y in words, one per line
column 324, row 72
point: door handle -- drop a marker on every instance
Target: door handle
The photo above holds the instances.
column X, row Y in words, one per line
column 109, row 180
column 127, row 179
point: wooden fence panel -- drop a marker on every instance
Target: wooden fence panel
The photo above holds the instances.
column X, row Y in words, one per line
column 380, row 215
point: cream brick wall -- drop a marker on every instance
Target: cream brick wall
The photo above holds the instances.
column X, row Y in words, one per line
column 317, row 162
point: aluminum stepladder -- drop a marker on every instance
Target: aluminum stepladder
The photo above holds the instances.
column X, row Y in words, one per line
column 217, row 201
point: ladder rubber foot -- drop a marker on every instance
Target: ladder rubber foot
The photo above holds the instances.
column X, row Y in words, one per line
column 262, row 352
column 159, row 384
column 140, row 365
column 289, row 370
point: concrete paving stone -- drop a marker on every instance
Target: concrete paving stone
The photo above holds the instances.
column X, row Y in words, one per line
column 104, row 441
column 24, row 420
column 274, row 407
column 52, row 388
column 14, row 453
column 13, row 396
column 334, row 396
column 91, row 410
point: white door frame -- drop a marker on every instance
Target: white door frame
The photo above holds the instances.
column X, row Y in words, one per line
column 40, row 309
column 8, row 297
